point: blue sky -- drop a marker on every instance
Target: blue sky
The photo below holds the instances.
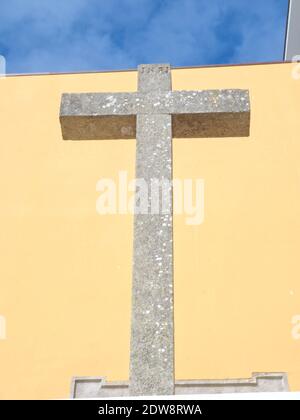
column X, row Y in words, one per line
column 83, row 35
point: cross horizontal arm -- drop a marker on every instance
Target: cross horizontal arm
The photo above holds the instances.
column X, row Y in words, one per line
column 176, row 102
column 208, row 113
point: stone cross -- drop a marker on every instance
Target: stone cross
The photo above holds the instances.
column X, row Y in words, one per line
column 154, row 115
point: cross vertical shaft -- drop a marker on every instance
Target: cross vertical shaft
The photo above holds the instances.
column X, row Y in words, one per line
column 152, row 331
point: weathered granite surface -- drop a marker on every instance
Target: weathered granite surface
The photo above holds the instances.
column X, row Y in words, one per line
column 152, row 325
column 208, row 113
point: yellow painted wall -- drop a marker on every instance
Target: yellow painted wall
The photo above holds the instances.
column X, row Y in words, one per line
column 65, row 271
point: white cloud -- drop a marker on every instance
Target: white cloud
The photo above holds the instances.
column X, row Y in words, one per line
column 71, row 35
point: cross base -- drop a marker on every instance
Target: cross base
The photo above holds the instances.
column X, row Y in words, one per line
column 97, row 387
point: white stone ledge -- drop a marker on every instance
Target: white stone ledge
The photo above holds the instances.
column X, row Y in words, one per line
column 97, row 387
